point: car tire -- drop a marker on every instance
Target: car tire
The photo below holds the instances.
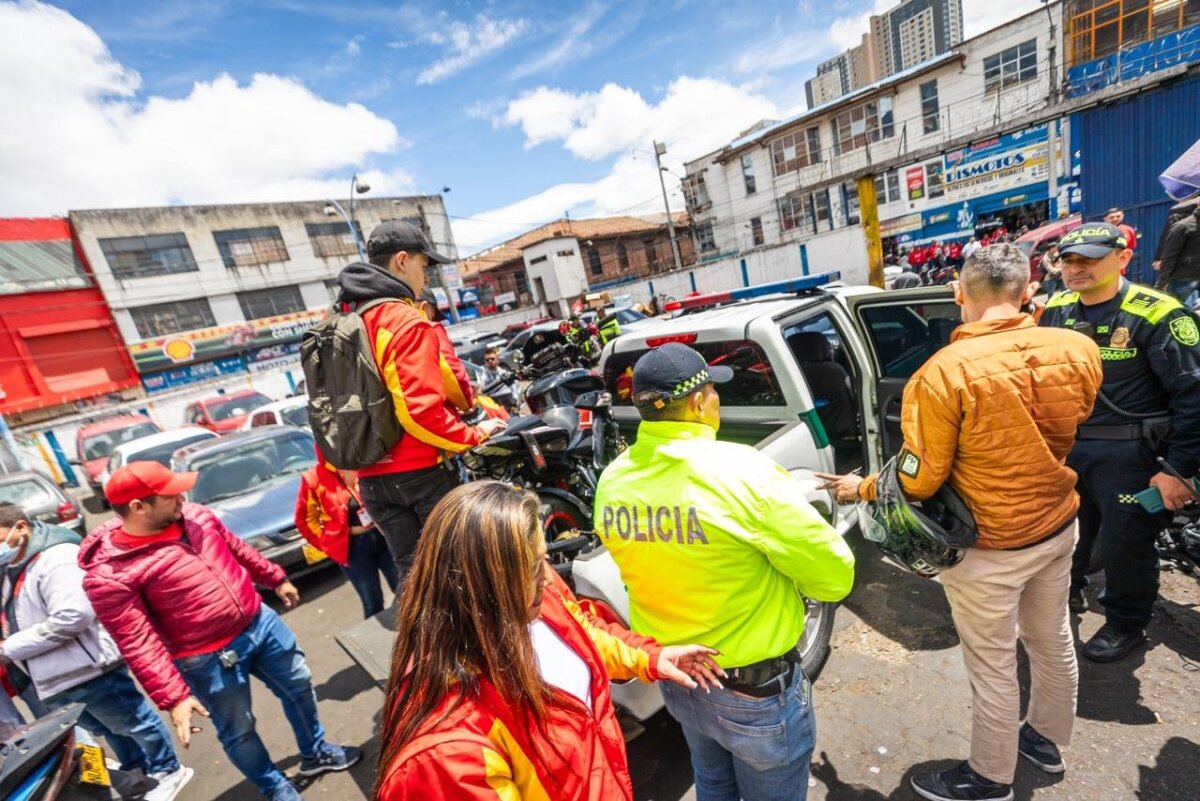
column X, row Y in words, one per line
column 818, row 630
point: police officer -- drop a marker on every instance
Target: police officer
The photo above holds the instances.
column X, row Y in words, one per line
column 1149, row 405
column 717, row 545
column 609, row 325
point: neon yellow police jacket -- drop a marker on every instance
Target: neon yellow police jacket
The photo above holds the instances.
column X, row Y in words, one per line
column 716, row 544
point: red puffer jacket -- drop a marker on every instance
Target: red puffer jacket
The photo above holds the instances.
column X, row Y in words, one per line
column 167, row 598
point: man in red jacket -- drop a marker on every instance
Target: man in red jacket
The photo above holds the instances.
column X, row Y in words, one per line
column 175, row 589
column 402, row 488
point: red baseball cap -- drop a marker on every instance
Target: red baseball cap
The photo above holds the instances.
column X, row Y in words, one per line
column 140, row 480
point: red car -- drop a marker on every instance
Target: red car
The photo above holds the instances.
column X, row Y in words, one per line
column 1038, row 241
column 224, row 413
column 94, row 442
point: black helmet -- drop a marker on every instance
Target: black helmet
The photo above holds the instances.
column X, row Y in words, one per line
column 923, row 540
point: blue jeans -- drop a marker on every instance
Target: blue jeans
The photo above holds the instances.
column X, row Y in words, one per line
column 268, row 650
column 1182, row 290
column 757, row 749
column 117, row 711
column 369, row 556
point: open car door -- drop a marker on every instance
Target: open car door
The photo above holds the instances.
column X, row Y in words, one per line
column 901, row 329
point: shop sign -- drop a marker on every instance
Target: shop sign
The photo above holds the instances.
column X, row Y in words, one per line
column 915, row 178
column 273, row 355
column 192, row 373
column 505, row 298
column 997, row 164
column 900, row 225
column 189, row 346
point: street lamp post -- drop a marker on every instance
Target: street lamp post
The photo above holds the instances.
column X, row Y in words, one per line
column 332, row 207
column 659, row 150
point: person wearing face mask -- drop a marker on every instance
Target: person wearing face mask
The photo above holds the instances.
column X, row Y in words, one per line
column 716, row 544
column 51, row 632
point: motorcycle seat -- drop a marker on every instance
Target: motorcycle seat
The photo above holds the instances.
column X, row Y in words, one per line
column 522, row 423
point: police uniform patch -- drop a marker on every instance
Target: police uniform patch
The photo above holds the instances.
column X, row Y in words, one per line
column 1120, row 337
column 910, row 463
column 1184, row 330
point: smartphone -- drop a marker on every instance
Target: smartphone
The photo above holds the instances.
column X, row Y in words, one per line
column 1151, row 500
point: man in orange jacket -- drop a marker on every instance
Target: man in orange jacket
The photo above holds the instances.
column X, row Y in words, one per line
column 994, row 413
column 400, row 489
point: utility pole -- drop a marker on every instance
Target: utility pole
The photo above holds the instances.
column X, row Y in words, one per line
column 1052, row 160
column 868, row 210
column 659, row 150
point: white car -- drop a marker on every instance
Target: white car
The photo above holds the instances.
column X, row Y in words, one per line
column 287, row 412
column 153, row 448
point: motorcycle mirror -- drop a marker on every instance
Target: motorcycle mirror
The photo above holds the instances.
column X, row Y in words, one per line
column 518, row 357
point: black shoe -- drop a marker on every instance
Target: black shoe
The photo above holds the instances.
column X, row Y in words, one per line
column 1110, row 644
column 960, row 783
column 331, row 758
column 1077, row 602
column 1040, row 751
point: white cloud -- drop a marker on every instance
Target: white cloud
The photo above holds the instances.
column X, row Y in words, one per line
column 88, row 138
column 983, row 15
column 470, row 44
column 695, row 116
column 576, row 43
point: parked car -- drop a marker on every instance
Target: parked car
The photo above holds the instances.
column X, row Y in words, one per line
column 224, row 413
column 251, row 479
column 630, row 318
column 153, row 448
column 472, row 345
column 41, row 499
column 512, row 329
column 1035, row 243
column 94, row 442
column 291, row 411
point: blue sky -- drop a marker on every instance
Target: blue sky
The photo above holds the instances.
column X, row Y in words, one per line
column 524, row 109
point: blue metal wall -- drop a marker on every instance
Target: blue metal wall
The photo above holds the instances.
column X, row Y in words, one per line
column 1124, row 147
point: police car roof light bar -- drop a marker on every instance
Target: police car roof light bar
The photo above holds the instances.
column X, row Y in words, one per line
column 791, row 285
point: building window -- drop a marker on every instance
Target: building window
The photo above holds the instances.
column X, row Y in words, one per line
column 820, row 205
column 594, row 263
column 856, row 127
column 622, row 257
column 140, row 256
column 929, row 107
column 748, row 173
column 1098, row 28
column 166, row 319
column 933, row 179
column 795, row 150
column 695, row 192
column 850, row 202
column 269, row 302
column 537, row 260
column 651, row 253
column 792, row 212
column 1010, row 67
column 704, row 237
column 756, row 231
column 330, row 239
column 887, row 187
column 565, row 254
column 249, row 246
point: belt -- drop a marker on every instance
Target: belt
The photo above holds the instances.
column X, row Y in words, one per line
column 1118, row 432
column 764, row 678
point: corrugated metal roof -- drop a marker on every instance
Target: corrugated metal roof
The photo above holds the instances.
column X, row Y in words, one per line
column 39, row 266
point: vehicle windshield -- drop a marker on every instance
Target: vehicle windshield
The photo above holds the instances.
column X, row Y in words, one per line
column 295, row 416
column 28, row 493
column 162, row 453
column 753, row 382
column 101, row 445
column 243, row 468
column 235, row 407
column 629, row 315
column 1026, row 246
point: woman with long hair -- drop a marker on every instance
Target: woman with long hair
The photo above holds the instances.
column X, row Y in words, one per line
column 500, row 683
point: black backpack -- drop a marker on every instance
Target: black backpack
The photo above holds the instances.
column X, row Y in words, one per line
column 350, row 408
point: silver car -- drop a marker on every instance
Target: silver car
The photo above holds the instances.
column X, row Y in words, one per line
column 41, row 499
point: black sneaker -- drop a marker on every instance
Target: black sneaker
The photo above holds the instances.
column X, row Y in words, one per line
column 1040, row 751
column 1110, row 644
column 1077, row 602
column 330, row 758
column 960, row 783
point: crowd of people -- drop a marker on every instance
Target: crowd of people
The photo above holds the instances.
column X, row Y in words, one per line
column 499, row 685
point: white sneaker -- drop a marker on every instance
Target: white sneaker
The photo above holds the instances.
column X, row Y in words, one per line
column 169, row 784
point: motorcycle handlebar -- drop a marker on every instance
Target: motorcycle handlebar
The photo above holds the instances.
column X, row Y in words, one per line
column 507, row 378
column 568, row 544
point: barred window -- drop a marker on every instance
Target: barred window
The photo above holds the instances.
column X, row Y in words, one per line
column 245, row 247
column 165, row 319
column 791, row 211
column 140, row 256
column 795, row 150
column 330, row 239
column 857, row 126
column 1010, row 67
column 929, row 107
column 756, row 231
column 704, row 237
column 262, row 303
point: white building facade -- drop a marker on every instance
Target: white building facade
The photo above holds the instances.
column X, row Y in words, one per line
column 948, row 133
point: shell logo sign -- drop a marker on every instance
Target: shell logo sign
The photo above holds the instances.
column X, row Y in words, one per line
column 179, row 350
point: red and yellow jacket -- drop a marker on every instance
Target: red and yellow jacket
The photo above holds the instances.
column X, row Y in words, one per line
column 408, row 352
column 483, row 751
column 322, row 511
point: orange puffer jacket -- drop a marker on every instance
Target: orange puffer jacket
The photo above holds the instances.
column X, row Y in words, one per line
column 995, row 414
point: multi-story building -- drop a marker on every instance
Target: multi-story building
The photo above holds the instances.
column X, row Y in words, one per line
column 60, row 350
column 204, row 291
column 845, row 72
column 613, row 250
column 946, row 141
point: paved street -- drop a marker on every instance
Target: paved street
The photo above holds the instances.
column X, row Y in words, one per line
column 893, row 696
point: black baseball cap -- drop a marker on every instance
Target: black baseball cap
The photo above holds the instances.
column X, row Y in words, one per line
column 1093, row 240
column 675, row 371
column 394, row 236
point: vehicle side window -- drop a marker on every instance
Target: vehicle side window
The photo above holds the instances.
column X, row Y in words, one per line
column 905, row 336
column 262, row 419
column 753, row 383
column 194, row 415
